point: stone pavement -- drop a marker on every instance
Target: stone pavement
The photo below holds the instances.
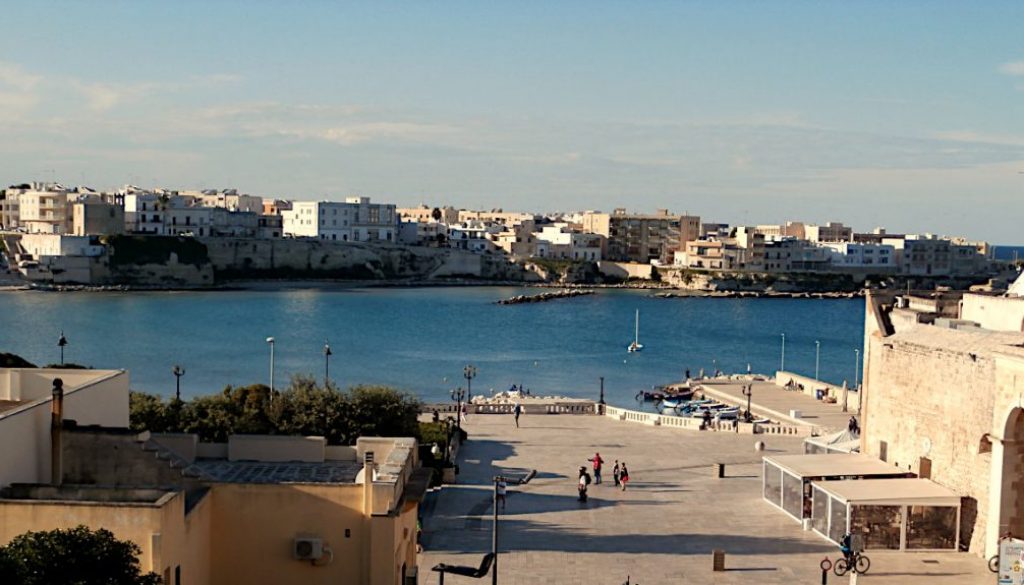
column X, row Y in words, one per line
column 775, row 403
column 661, row 530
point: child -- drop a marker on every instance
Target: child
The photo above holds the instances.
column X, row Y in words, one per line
column 623, row 476
column 583, row 483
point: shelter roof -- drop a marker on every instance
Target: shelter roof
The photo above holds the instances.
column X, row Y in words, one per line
column 832, row 465
column 261, row 472
column 903, row 491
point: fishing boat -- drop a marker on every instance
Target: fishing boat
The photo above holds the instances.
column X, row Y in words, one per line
column 728, row 414
column 636, row 345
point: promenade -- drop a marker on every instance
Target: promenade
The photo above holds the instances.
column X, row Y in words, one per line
column 661, row 530
column 775, row 402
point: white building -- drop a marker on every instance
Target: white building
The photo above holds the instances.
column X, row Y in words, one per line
column 354, row 220
column 474, row 236
column 143, row 212
column 867, row 256
column 559, row 242
column 44, row 209
column 229, row 199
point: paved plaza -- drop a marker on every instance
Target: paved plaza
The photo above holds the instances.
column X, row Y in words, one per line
column 662, row 530
column 775, row 402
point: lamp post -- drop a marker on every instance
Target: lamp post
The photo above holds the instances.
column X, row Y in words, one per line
column 856, row 369
column 817, row 359
column 61, row 342
column 469, row 372
column 178, row 372
column 270, row 340
column 782, row 365
column 494, row 532
column 601, row 401
column 327, row 363
column 748, row 390
column 457, row 395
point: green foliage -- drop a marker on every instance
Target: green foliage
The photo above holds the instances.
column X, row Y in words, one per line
column 125, row 249
column 10, row 360
column 77, row 556
column 304, row 408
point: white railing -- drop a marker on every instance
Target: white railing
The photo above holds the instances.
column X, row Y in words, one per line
column 696, row 424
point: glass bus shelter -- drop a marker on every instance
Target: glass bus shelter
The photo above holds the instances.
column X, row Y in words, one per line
column 890, row 514
column 786, row 482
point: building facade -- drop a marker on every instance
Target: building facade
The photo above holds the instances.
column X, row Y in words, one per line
column 642, row 238
column 354, row 220
column 941, row 399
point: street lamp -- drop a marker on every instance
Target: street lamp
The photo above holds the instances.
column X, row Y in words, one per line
column 327, row 363
column 782, row 366
column 61, row 343
column 601, row 401
column 469, row 372
column 178, row 372
column 270, row 340
column 817, row 359
column 494, row 532
column 458, row 395
column 748, row 390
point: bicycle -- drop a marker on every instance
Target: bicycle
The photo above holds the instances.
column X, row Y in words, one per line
column 993, row 561
column 861, row 564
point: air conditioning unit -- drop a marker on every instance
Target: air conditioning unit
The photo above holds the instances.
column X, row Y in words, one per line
column 308, row 549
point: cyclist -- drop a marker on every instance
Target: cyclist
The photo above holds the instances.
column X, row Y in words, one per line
column 846, row 549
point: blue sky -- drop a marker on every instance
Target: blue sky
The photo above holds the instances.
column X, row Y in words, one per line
column 908, row 115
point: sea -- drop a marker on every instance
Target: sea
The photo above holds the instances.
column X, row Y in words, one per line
column 1009, row 253
column 420, row 339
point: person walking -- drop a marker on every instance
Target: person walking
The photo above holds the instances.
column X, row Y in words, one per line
column 616, row 472
column 687, row 374
column 598, row 462
column 583, row 482
column 516, row 411
column 623, row 476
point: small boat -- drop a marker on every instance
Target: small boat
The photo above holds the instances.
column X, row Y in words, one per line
column 671, row 403
column 636, row 345
column 727, row 414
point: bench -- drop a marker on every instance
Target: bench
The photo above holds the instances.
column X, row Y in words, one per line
column 474, row 572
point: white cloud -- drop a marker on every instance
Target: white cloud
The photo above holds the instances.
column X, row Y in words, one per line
column 1013, row 68
column 14, row 77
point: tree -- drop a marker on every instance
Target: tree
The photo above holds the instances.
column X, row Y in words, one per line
column 436, row 214
column 77, row 556
column 10, row 360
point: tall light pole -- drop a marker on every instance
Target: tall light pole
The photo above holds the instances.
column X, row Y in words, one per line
column 817, row 358
column 469, row 372
column 61, row 343
column 178, row 372
column 856, row 369
column 748, row 391
column 782, row 365
column 270, row 340
column 494, row 531
column 327, row 363
column 457, row 395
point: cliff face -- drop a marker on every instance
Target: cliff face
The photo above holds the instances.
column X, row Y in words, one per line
column 191, row 262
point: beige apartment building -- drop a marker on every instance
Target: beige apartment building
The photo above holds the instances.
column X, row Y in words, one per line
column 254, row 510
column 93, row 216
column 44, row 209
column 425, row 214
column 641, row 237
column 943, row 380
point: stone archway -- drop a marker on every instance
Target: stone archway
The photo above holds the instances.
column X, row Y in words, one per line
column 1011, row 509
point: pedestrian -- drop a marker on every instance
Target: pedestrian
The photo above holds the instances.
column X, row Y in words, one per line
column 707, row 418
column 500, row 493
column 623, row 476
column 582, row 484
column 616, row 472
column 435, row 416
column 598, row 462
column 465, row 413
column 687, row 374
column 516, row 411
column 853, row 427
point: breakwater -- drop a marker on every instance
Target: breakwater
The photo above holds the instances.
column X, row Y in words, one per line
column 544, row 297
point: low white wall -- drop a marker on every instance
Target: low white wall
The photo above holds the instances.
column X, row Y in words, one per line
column 811, row 385
column 694, row 424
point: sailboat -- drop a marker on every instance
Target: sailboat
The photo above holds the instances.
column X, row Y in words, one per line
column 636, row 346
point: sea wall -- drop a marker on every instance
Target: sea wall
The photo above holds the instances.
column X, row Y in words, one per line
column 196, row 262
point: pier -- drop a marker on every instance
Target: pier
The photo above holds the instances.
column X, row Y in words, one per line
column 546, row 296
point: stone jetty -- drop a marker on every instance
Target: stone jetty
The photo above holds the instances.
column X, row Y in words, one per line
column 543, row 297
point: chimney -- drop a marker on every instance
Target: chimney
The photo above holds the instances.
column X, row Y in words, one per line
column 56, row 422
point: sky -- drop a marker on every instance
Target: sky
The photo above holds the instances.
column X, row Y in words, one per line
column 908, row 115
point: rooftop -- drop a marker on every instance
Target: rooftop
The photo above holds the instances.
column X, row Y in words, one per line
column 832, row 465
column 906, row 491
column 328, row 472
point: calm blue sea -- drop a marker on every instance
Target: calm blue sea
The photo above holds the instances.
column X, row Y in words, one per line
column 1007, row 252
column 420, row 339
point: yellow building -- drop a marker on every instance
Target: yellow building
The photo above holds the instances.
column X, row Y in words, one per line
column 257, row 509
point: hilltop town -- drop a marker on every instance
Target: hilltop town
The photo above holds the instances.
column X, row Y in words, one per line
column 162, row 238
